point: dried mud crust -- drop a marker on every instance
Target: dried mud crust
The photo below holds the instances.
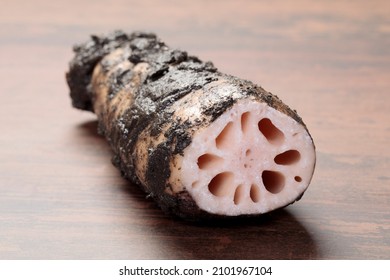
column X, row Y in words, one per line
column 153, row 103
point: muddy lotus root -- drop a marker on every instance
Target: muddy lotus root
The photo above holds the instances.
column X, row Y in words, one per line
column 200, row 142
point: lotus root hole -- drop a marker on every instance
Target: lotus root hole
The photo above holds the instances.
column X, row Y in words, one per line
column 270, row 131
column 245, row 122
column 208, row 161
column 224, row 139
column 273, row 181
column 298, row 179
column 288, row 157
column 238, row 195
column 221, row 184
column 255, row 193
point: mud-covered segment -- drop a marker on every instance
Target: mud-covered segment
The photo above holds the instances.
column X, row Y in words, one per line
column 151, row 101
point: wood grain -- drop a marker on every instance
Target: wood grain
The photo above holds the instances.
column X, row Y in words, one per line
column 61, row 198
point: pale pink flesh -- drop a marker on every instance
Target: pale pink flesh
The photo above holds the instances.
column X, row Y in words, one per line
column 251, row 160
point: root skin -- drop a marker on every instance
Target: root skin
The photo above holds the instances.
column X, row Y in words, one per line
column 150, row 101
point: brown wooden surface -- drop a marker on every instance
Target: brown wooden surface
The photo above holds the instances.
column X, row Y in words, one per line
column 60, row 197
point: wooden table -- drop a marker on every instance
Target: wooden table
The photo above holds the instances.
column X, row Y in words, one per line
column 61, row 198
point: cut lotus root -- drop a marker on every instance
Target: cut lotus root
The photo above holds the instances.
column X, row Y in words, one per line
column 252, row 159
column 200, row 142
